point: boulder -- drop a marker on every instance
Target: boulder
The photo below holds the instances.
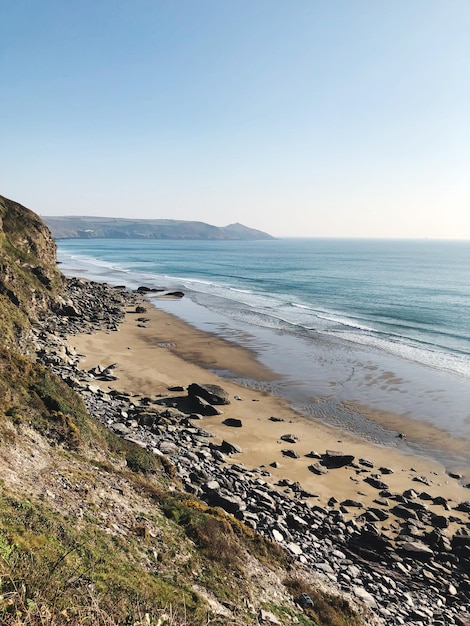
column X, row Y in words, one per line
column 333, row 459
column 416, row 549
column 233, row 422
column 229, row 448
column 210, row 393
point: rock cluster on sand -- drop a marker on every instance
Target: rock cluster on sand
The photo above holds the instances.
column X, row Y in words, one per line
column 418, row 576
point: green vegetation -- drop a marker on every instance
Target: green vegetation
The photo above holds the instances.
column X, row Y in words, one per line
column 328, row 610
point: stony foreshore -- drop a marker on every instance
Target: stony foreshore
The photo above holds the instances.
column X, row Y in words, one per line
column 414, row 571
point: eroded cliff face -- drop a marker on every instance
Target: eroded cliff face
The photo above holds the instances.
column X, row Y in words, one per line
column 29, row 278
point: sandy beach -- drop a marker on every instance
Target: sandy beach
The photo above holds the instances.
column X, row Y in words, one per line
column 165, row 352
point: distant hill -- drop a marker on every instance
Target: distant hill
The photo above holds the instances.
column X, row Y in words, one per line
column 85, row 227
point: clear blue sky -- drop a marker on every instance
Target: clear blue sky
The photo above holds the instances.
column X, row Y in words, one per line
column 343, row 118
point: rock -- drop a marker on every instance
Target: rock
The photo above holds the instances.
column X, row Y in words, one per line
column 140, row 309
column 313, row 455
column 294, row 549
column 376, row 483
column 422, row 479
column 143, row 289
column 121, row 429
column 365, row 596
column 404, row 512
column 290, row 453
column 416, row 549
column 305, row 601
column 439, row 521
column 226, row 501
column 352, row 503
column 366, row 463
column 229, row 448
column 233, row 422
column 201, row 406
column 332, row 459
column 214, row 394
column 290, row 438
column 267, row 618
column 378, row 513
column 175, row 294
column 168, row 447
column 318, row 469
column 276, row 419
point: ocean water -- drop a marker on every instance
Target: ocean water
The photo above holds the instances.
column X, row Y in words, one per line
column 383, row 325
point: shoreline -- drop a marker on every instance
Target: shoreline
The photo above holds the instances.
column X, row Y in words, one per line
column 387, row 529
column 378, row 421
column 165, row 351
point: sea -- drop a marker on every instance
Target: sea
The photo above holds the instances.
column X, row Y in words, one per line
column 371, row 336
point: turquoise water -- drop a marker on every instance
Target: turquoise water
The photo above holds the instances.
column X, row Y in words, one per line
column 381, row 323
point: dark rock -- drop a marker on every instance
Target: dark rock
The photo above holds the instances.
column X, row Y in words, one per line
column 422, row 479
column 376, row 483
column 211, row 393
column 143, row 289
column 352, row 503
column 317, row 468
column 439, row 521
column 233, row 422
column 229, row 448
column 175, row 294
column 290, row 438
column 403, row 512
column 416, row 549
column 226, row 501
column 201, row 406
column 332, row 459
column 313, row 455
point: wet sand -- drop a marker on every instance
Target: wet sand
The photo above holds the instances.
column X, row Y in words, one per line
column 168, row 352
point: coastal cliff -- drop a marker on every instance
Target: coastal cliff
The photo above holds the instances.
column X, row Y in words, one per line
column 118, row 507
column 29, row 278
column 95, row 526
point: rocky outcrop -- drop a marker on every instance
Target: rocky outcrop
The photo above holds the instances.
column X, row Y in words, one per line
column 29, row 278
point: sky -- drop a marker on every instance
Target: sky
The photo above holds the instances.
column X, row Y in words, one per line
column 318, row 118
